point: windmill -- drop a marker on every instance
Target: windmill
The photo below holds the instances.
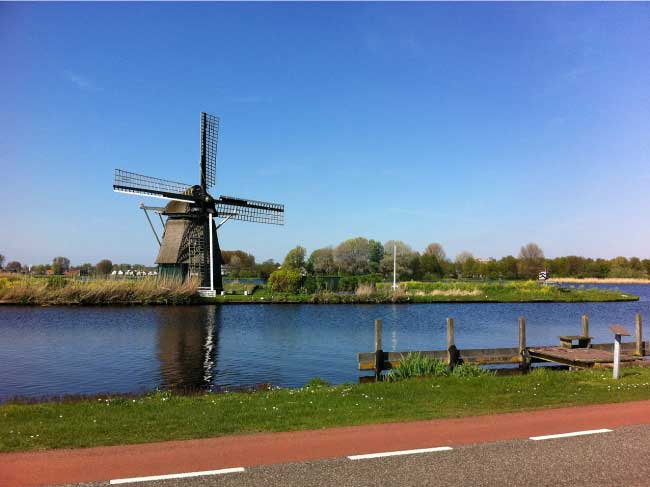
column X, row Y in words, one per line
column 189, row 245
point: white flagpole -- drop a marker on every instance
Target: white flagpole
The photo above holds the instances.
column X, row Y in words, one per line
column 394, row 266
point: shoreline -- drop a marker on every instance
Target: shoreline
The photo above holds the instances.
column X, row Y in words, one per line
column 306, row 300
column 157, row 293
column 599, row 280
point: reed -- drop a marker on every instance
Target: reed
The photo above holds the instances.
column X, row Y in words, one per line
column 57, row 290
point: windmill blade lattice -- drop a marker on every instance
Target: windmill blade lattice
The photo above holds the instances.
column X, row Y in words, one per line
column 209, row 140
column 130, row 182
column 250, row 210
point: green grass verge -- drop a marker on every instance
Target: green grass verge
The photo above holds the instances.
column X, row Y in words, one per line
column 436, row 292
column 164, row 416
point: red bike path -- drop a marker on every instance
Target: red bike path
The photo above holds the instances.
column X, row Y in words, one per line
column 56, row 467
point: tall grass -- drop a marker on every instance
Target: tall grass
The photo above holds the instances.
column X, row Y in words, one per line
column 57, row 290
column 415, row 365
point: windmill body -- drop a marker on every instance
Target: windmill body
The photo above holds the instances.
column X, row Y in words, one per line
column 190, row 245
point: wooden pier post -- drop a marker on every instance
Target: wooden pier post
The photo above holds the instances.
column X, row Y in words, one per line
column 525, row 362
column 452, row 351
column 379, row 353
column 585, row 325
column 522, row 334
column 639, row 349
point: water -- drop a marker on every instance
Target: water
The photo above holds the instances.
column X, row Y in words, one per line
column 52, row 351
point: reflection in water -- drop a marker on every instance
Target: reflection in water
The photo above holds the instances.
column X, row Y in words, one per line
column 187, row 347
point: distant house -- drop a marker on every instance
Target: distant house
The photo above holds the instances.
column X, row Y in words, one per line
column 72, row 272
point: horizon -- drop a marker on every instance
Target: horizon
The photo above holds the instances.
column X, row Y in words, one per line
column 479, row 126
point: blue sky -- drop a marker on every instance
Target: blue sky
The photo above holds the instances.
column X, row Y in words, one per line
column 480, row 126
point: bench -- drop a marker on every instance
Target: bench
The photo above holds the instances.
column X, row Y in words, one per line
column 583, row 342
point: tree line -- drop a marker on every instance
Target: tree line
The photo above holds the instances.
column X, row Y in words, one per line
column 360, row 256
column 61, row 265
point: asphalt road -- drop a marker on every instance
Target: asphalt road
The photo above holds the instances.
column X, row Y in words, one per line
column 617, row 458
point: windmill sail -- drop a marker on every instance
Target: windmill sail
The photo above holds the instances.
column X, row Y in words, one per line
column 209, row 140
column 130, row 182
column 250, row 210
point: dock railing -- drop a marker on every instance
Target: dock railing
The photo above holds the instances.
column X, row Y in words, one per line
column 379, row 360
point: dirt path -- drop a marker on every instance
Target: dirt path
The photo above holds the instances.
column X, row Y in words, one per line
column 56, row 467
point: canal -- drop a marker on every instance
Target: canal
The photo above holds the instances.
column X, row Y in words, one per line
column 55, row 351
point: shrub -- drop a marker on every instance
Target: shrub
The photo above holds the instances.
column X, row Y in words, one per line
column 348, row 283
column 285, row 281
column 415, row 365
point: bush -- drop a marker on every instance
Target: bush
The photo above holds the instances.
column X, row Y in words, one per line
column 285, row 281
column 348, row 283
column 314, row 284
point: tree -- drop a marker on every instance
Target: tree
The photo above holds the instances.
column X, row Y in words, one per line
column 295, row 259
column 238, row 259
column 375, row 254
column 2, row 260
column 466, row 263
column 407, row 260
column 60, row 265
column 104, row 267
column 321, row 261
column 433, row 260
column 507, row 267
column 436, row 250
column 531, row 260
column 353, row 256
column 266, row 268
column 14, row 266
column 39, row 269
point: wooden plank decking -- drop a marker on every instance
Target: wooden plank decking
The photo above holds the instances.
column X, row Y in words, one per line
column 577, row 357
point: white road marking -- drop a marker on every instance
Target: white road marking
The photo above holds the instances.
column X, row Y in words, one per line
column 396, row 453
column 177, row 475
column 566, row 435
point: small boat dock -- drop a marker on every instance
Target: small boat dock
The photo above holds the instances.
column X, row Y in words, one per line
column 575, row 351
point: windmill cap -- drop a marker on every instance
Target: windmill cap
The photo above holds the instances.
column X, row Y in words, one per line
column 619, row 330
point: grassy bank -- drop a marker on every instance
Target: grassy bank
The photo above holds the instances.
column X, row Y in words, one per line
column 55, row 290
column 600, row 280
column 163, row 416
column 432, row 292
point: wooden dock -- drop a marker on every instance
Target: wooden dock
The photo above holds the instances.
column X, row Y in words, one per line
column 584, row 354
